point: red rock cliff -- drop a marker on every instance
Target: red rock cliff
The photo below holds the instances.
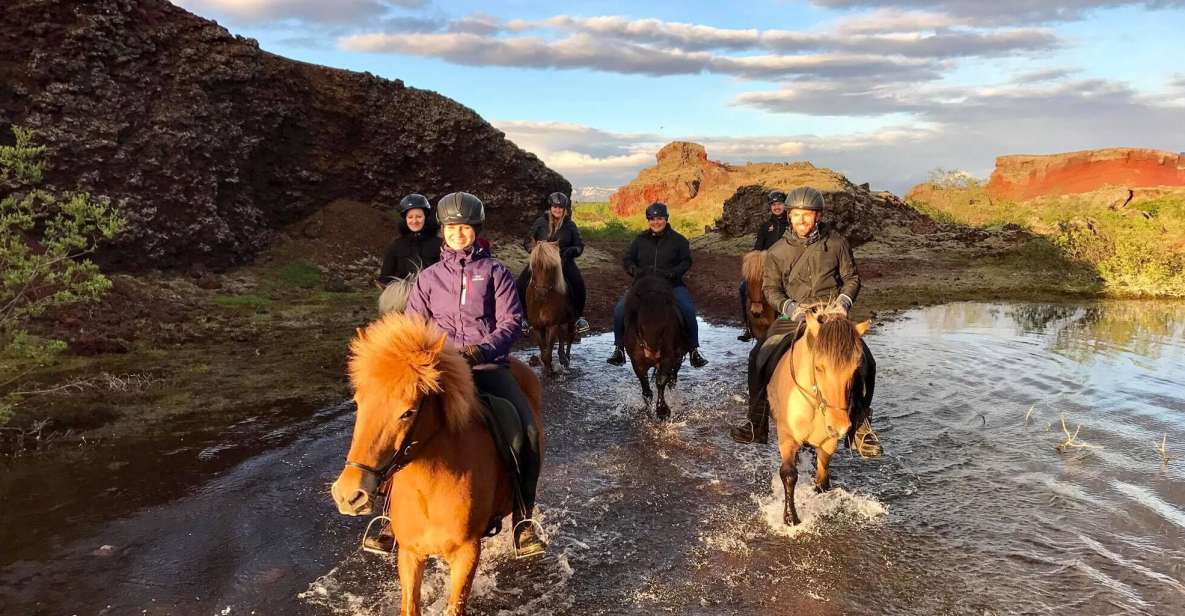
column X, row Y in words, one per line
column 1026, row 177
column 683, row 173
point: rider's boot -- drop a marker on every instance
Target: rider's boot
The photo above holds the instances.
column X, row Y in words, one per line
column 697, row 359
column 618, row 357
column 755, row 429
column 526, row 539
column 746, row 335
column 865, row 442
column 582, row 326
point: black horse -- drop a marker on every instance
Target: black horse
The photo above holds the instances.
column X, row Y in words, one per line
column 654, row 337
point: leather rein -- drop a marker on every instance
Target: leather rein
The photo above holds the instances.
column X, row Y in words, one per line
column 814, row 392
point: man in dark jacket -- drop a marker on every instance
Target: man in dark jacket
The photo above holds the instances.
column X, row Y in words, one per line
column 418, row 244
column 555, row 225
column 809, row 264
column 662, row 250
column 767, row 235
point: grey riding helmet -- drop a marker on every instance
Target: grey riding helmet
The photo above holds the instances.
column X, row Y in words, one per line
column 460, row 208
column 805, row 198
column 657, row 210
column 412, row 202
column 559, row 199
column 776, row 196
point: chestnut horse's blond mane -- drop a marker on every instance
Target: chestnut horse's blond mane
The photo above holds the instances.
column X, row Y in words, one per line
column 753, row 267
column 403, row 357
column 545, row 258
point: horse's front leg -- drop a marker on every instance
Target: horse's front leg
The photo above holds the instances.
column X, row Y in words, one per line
column 462, row 565
column 543, row 337
column 640, row 369
column 567, row 336
column 662, row 378
column 411, row 573
column 822, row 474
column 788, row 471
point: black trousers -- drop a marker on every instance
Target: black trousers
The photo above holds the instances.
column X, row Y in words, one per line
column 500, row 382
column 743, row 294
column 859, row 396
column 577, row 292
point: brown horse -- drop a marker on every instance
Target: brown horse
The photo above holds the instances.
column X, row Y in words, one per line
column 419, row 423
column 654, row 337
column 808, row 395
column 549, row 309
column 760, row 314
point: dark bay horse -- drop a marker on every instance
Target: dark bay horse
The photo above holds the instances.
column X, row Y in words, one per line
column 419, row 425
column 759, row 315
column 549, row 309
column 654, row 337
column 809, row 395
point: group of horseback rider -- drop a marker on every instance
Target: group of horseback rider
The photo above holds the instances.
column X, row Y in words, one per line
column 478, row 302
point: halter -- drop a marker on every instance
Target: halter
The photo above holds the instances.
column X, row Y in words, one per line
column 402, row 456
column 814, row 391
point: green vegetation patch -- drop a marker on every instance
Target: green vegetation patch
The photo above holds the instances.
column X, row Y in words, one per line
column 597, row 221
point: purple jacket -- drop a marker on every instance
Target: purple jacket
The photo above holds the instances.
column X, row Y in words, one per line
column 472, row 297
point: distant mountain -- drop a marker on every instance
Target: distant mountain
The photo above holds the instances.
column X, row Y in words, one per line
column 591, row 194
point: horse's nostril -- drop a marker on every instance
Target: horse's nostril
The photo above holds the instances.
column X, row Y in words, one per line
column 359, row 499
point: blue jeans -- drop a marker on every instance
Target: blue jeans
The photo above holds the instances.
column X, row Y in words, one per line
column 683, row 302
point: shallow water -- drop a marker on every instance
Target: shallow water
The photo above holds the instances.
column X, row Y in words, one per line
column 972, row 510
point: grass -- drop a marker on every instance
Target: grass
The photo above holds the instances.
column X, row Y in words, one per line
column 598, row 222
column 247, row 300
column 300, row 274
column 1136, row 251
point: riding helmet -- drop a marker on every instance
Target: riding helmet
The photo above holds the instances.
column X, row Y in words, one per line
column 460, row 208
column 414, row 201
column 657, row 210
column 775, row 196
column 558, row 199
column 805, row 198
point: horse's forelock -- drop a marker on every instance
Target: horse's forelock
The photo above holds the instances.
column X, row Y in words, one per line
column 402, row 357
column 545, row 258
column 838, row 344
column 394, row 296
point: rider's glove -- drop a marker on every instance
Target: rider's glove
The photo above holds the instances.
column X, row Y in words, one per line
column 473, row 354
column 570, row 252
column 844, row 301
column 787, row 309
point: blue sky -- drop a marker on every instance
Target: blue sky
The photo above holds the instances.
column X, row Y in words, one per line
column 881, row 91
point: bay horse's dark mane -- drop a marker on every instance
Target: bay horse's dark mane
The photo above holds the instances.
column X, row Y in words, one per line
column 650, row 305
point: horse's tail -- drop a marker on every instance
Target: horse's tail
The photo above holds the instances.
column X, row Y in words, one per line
column 545, row 258
column 394, row 296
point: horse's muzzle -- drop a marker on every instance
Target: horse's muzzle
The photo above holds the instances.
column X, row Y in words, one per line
column 356, row 502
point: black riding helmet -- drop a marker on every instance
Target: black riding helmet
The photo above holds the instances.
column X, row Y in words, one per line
column 657, row 210
column 460, row 208
column 414, row 201
column 775, row 196
column 805, row 198
column 558, row 199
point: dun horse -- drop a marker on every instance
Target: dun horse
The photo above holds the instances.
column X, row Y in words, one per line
column 654, row 337
column 809, row 396
column 419, row 424
column 760, row 315
column 549, row 309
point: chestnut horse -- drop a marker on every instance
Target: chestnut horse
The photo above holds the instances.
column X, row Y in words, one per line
column 809, row 395
column 419, row 424
column 654, row 337
column 760, row 315
column 549, row 309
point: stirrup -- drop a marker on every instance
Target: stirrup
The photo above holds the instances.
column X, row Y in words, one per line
column 366, row 535
column 518, row 554
column 865, row 442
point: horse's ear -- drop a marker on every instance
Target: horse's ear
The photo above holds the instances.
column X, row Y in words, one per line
column 812, row 323
column 863, row 327
column 361, row 333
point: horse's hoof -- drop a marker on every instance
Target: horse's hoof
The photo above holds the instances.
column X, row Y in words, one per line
column 663, row 412
column 534, row 361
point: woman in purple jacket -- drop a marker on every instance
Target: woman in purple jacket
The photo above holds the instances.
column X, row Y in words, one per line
column 472, row 297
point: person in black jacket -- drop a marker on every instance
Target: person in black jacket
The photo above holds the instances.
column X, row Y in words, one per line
column 555, row 225
column 418, row 244
column 767, row 235
column 665, row 251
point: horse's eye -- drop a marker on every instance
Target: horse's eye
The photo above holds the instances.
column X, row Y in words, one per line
column 408, row 414
column 818, row 368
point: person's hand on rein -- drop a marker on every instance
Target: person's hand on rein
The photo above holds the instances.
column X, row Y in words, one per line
column 473, row 354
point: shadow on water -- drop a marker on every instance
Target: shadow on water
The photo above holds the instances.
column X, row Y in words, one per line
column 972, row 510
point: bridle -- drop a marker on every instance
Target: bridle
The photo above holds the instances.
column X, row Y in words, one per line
column 402, row 456
column 814, row 392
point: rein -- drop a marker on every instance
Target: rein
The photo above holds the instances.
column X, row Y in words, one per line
column 402, row 456
column 814, row 391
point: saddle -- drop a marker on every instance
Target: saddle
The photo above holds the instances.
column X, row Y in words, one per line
column 781, row 338
column 510, row 440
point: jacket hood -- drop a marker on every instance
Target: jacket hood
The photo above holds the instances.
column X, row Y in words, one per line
column 430, row 227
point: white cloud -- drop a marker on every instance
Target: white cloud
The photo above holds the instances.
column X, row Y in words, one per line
column 997, row 12
column 259, row 12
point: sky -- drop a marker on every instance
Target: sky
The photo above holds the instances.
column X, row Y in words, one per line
column 884, row 92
